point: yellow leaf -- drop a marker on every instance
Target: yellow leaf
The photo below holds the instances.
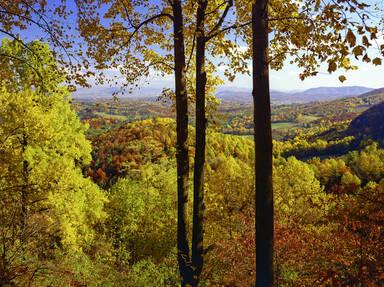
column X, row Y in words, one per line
column 342, row 78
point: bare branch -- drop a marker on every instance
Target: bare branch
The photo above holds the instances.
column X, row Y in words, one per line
column 242, row 25
column 232, row 27
column 222, row 18
column 46, row 27
column 191, row 54
column 285, row 18
column 14, row 37
column 214, row 10
column 137, row 27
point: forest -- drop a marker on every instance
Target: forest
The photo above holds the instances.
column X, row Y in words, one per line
column 185, row 189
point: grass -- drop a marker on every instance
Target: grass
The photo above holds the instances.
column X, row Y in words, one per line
column 283, row 125
column 308, row 119
column 108, row 116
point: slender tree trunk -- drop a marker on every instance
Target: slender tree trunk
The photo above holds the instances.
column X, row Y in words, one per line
column 24, row 192
column 201, row 125
column 263, row 146
column 182, row 157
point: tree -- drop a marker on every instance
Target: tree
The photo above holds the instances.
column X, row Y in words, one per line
column 30, row 66
column 298, row 28
column 211, row 33
column 131, row 38
column 200, row 142
column 263, row 146
column 118, row 43
column 45, row 199
column 182, row 156
column 142, row 215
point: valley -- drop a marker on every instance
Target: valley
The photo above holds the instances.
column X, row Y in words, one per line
column 235, row 117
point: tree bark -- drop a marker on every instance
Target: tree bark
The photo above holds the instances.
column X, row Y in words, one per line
column 201, row 125
column 182, row 157
column 24, row 192
column 263, row 146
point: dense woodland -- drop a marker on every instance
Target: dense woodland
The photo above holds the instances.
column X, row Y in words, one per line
column 161, row 192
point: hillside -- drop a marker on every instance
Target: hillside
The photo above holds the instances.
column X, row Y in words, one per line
column 370, row 124
column 176, row 143
column 335, row 110
column 130, row 147
column 230, row 117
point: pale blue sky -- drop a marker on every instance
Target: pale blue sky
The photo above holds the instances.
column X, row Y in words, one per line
column 288, row 79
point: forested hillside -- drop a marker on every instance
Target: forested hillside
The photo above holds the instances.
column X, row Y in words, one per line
column 187, row 190
column 369, row 125
column 322, row 201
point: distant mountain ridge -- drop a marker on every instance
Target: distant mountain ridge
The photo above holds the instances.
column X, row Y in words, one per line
column 310, row 95
column 235, row 94
column 373, row 92
column 337, row 91
column 103, row 93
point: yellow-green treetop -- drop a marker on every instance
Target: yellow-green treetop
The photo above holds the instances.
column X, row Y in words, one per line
column 30, row 66
column 43, row 149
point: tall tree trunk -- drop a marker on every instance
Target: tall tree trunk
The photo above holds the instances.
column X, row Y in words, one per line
column 182, row 157
column 24, row 192
column 263, row 146
column 201, row 125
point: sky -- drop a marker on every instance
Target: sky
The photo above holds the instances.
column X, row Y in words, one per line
column 286, row 79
